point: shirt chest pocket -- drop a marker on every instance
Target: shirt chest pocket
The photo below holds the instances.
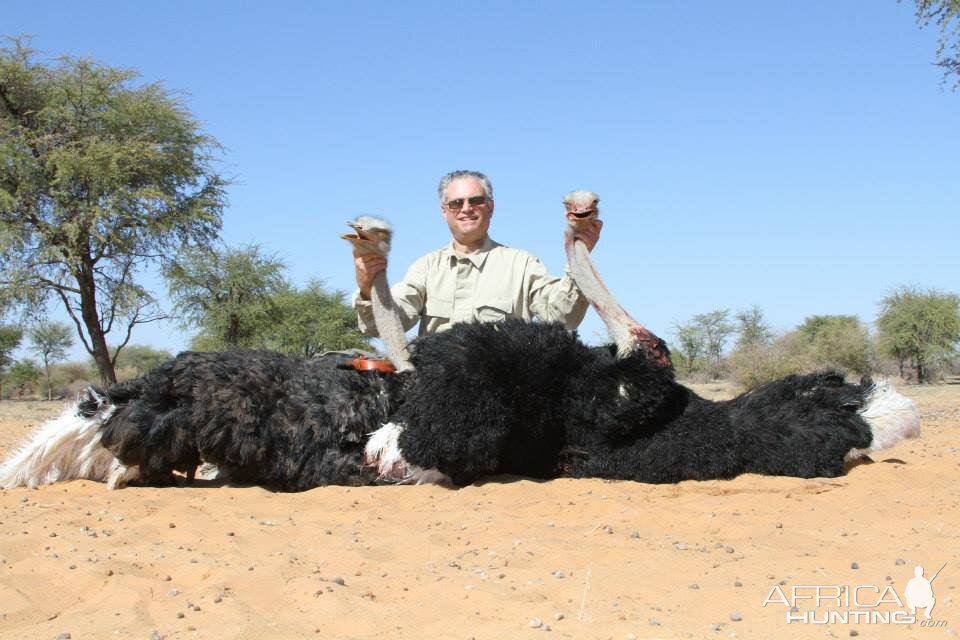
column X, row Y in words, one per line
column 438, row 308
column 493, row 310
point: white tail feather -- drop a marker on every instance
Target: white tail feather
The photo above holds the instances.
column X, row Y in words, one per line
column 383, row 451
column 892, row 417
column 64, row 448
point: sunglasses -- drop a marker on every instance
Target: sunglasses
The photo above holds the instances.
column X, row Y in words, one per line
column 475, row 201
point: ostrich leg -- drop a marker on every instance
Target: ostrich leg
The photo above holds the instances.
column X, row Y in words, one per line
column 628, row 334
column 373, row 236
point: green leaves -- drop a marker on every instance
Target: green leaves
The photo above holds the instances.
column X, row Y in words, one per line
column 946, row 15
column 919, row 326
column 102, row 175
column 240, row 298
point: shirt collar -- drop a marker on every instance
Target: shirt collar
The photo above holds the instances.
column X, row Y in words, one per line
column 478, row 257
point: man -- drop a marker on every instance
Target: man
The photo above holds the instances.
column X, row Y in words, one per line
column 474, row 277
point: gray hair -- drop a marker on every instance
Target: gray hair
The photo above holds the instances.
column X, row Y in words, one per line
column 462, row 173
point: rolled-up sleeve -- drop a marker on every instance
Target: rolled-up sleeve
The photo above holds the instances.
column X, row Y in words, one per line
column 409, row 295
column 555, row 299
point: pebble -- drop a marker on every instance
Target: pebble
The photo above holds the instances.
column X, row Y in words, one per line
column 535, row 623
column 340, row 581
column 738, row 584
column 607, row 528
column 694, row 586
column 900, row 561
column 180, row 615
column 156, row 635
column 630, row 636
column 635, row 535
column 854, row 565
column 558, row 617
column 854, row 633
column 64, row 636
column 172, row 525
column 559, row 574
column 173, row 592
column 736, row 617
column 654, row 622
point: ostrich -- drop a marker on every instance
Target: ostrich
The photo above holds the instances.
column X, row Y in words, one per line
column 260, row 417
column 481, row 399
column 531, row 399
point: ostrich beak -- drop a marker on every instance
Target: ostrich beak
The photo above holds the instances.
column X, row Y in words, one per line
column 578, row 213
column 365, row 240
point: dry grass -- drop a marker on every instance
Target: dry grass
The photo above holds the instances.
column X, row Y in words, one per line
column 19, row 417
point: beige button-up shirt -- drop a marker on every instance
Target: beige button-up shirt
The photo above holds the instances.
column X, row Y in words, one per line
column 493, row 283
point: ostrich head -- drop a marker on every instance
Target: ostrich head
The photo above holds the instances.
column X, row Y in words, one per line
column 581, row 206
column 630, row 336
column 371, row 235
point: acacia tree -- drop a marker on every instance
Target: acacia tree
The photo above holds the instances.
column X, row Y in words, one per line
column 102, row 176
column 228, row 294
column 50, row 341
column 314, row 320
column 752, row 329
column 10, row 337
column 716, row 329
column 240, row 298
column 839, row 342
column 691, row 346
column 919, row 327
column 946, row 15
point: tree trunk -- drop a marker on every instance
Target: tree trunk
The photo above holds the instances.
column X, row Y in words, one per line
column 98, row 341
column 233, row 332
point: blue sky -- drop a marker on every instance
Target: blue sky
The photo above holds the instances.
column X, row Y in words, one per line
column 798, row 156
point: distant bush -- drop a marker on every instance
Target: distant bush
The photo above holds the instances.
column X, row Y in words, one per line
column 69, row 378
column 22, row 380
column 839, row 342
column 758, row 364
column 135, row 360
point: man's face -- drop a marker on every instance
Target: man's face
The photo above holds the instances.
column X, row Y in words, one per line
column 468, row 224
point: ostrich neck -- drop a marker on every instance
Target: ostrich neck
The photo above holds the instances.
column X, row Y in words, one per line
column 618, row 321
column 389, row 324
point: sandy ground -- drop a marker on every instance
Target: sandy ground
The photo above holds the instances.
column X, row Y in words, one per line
column 509, row 558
